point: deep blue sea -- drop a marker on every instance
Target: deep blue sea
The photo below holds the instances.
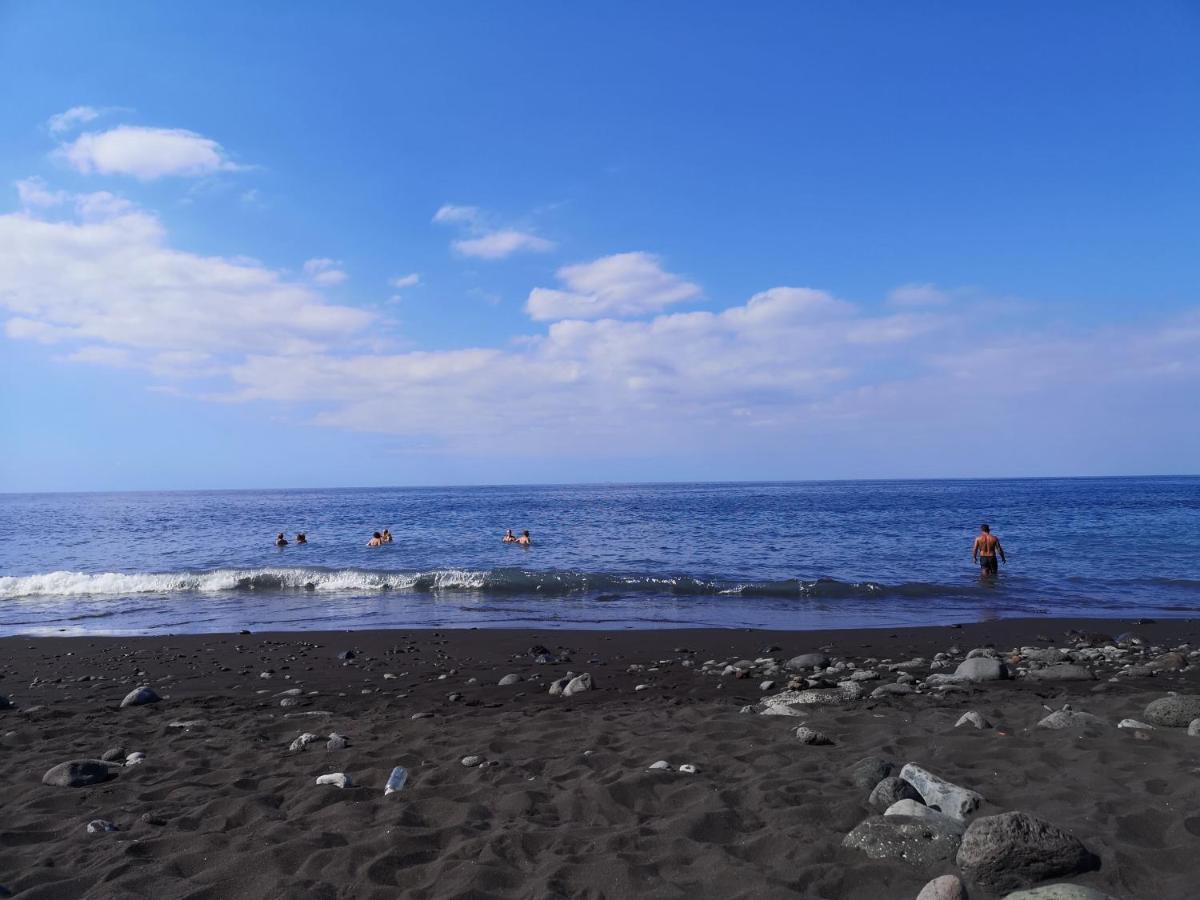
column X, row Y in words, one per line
column 780, row 555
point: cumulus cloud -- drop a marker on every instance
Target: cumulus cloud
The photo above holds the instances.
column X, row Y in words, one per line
column 107, row 279
column 625, row 284
column 73, row 118
column 146, row 153
column 405, row 281
column 325, row 271
column 34, row 194
column 918, row 295
column 484, row 241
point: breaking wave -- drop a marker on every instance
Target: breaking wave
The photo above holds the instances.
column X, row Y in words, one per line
column 495, row 581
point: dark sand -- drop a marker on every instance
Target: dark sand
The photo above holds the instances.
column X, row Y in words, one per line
column 223, row 809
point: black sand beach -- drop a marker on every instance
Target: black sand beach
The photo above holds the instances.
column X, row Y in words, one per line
column 563, row 802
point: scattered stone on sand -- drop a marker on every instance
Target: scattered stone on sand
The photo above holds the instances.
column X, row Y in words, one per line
column 766, row 686
column 1135, row 724
column 471, row 761
column 78, row 773
column 140, row 697
column 945, row 887
column 510, row 679
column 1014, row 849
column 578, row 685
column 303, row 741
column 136, row 758
column 1173, row 711
column 806, row 735
column 1046, row 655
column 981, row 668
column 346, row 655
column 187, row 724
column 337, row 742
column 396, row 780
column 421, row 715
column 891, row 690
column 797, row 703
column 291, row 701
column 688, row 769
column 337, row 779
column 869, row 771
column 115, row 755
column 954, row 801
column 1071, row 718
column 915, row 809
column 1194, row 728
column 641, row 687
column 924, row 843
column 889, row 790
column 1059, row 892
column 559, row 684
column 973, row 719
column 807, row 661
column 100, row 826
column 661, row 764
column 1063, row 672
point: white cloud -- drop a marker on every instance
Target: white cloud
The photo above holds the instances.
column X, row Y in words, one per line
column 108, row 279
column 34, row 194
column 625, row 284
column 502, row 244
column 451, row 214
column 72, row 118
column 405, row 281
column 325, row 271
column 918, row 295
column 146, row 153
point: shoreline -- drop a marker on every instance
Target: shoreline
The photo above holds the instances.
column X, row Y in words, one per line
column 563, row 803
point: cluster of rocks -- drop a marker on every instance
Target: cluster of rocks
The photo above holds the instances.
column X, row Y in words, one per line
column 929, row 823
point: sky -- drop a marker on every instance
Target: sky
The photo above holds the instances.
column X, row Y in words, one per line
column 293, row 244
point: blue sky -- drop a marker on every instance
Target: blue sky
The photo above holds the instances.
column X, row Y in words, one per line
column 292, row 244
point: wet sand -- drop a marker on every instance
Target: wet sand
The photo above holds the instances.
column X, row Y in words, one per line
column 564, row 803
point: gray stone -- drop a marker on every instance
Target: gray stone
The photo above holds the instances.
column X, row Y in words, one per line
column 337, row 742
column 983, row 653
column 915, row 809
column 115, row 755
column 981, row 668
column 303, row 741
column 578, row 685
column 1175, row 711
column 954, row 801
column 1059, row 892
column 510, row 679
column 890, row 790
column 1014, row 849
column 1194, row 728
column 807, row 661
column 100, row 826
column 797, row 703
column 140, row 697
column 923, row 843
column 79, row 773
column 1042, row 654
column 660, row 765
column 869, row 771
column 187, row 724
column 891, row 690
column 470, row 761
column 136, row 758
column 974, row 719
column 337, row 779
column 1134, row 724
column 1064, row 672
column 1071, row 718
column 946, row 887
column 806, row 735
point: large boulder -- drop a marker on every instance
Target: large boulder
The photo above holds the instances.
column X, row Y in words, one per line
column 807, row 661
column 924, row 843
column 1059, row 892
column 869, row 771
column 891, row 790
column 140, row 697
column 1174, row 711
column 79, row 773
column 981, row 668
column 1015, row 849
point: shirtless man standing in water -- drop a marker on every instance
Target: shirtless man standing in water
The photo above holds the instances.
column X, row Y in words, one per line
column 987, row 545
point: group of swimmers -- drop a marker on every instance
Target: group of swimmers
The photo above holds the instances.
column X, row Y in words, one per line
column 524, row 540
column 281, row 541
column 379, row 538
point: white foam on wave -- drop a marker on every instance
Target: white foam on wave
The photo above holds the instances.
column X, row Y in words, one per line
column 73, row 584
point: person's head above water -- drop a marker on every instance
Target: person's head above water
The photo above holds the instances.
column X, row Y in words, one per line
column 985, row 529
column 377, row 534
column 525, row 533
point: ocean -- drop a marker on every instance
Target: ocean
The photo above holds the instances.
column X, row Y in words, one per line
column 771, row 555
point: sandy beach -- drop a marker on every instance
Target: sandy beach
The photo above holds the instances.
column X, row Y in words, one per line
column 562, row 800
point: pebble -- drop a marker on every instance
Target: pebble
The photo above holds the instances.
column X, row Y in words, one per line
column 578, row 685
column 661, row 764
column 1134, row 723
column 336, row 742
column 806, row 735
column 889, row 790
column 891, row 690
column 78, row 773
column 470, row 761
column 186, row 723
column 510, row 679
column 1071, row 718
column 688, row 769
column 100, row 826
column 140, row 697
column 807, row 661
column 303, row 741
column 1064, row 672
column 136, row 758
column 338, row 779
column 422, row 715
column 915, row 809
column 766, row 686
column 116, row 754
column 981, row 668
column 946, row 887
column 1194, row 728
column 972, row 718
column 290, row 701
column 642, row 687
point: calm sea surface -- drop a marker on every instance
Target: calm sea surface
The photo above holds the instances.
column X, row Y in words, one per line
column 789, row 555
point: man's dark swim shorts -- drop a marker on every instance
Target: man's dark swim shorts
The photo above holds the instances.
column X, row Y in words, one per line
column 989, row 564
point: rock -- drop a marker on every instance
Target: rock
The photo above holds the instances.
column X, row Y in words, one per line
column 641, row 687
column 337, row 742
column 981, row 653
column 115, row 755
column 1194, row 728
column 796, row 703
column 869, row 771
column 1134, row 723
column 891, row 790
column 891, row 690
column 924, row 843
column 661, row 764
column 187, row 724
column 981, row 668
column 1042, row 654
column 946, row 887
column 510, row 679
column 806, row 735
column 864, row 675
column 807, row 661
column 337, row 779
column 140, row 697
column 290, row 701
column 135, row 759
column 1071, row 718
column 1015, row 849
column 79, row 773
column 948, row 798
column 688, row 769
column 578, row 685
column 1170, row 662
column 100, row 826
column 767, row 686
column 346, row 655
column 1059, row 892
column 973, row 719
column 915, row 809
column 471, row 761
column 303, row 741
column 557, row 686
column 1174, row 711
column 1064, row 672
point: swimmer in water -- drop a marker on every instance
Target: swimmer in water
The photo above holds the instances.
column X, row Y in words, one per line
column 280, row 540
column 525, row 540
column 386, row 537
column 509, row 537
column 987, row 545
column 300, row 538
column 376, row 540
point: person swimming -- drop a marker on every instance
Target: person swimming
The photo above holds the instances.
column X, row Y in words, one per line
column 301, row 538
column 525, row 540
column 386, row 537
column 280, row 540
column 509, row 537
column 376, row 540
